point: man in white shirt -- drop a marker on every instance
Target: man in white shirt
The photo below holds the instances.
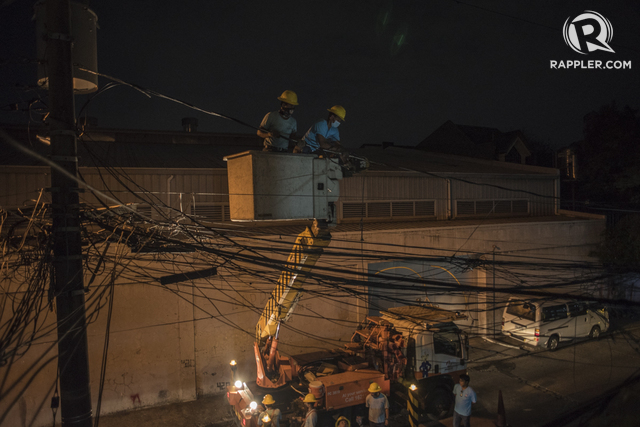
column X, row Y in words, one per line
column 465, row 397
column 378, row 405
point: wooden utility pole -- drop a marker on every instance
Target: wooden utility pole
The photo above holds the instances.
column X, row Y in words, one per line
column 67, row 280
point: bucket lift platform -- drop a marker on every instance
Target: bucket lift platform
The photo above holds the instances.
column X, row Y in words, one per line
column 268, row 186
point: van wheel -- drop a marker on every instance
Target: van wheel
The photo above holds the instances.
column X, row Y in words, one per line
column 595, row 332
column 439, row 404
column 552, row 344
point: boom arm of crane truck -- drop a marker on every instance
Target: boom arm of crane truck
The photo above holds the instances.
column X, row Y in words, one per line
column 306, row 251
column 265, row 186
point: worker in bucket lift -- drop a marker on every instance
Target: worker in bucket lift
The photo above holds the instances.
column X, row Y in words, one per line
column 274, row 415
column 278, row 127
column 324, row 135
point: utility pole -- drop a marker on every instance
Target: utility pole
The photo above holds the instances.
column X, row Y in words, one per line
column 494, row 289
column 67, row 280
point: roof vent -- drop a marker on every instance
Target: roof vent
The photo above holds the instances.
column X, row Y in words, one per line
column 190, row 124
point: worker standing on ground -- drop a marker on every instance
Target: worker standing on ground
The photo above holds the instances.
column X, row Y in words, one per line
column 278, row 127
column 378, row 405
column 274, row 413
column 324, row 135
column 465, row 397
column 311, row 419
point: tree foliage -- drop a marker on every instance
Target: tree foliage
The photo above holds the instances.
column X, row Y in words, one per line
column 620, row 250
column 609, row 157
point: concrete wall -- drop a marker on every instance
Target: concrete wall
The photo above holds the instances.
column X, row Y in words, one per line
column 174, row 343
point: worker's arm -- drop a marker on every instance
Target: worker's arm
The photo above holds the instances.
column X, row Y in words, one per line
column 266, row 134
column 265, row 125
column 295, row 137
column 327, row 144
column 386, row 416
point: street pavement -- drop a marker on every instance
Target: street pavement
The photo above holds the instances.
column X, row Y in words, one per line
column 538, row 386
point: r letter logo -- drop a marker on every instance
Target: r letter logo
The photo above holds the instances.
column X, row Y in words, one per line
column 587, row 32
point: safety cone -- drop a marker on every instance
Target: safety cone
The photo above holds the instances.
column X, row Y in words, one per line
column 502, row 417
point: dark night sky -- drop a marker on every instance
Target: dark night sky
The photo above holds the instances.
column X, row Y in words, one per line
column 482, row 63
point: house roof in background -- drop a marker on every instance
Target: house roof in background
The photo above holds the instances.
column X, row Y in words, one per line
column 476, row 141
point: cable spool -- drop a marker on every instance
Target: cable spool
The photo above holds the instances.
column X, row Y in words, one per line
column 317, row 389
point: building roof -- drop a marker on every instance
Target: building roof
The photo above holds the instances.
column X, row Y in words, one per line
column 293, row 228
column 410, row 159
column 154, row 149
column 126, row 148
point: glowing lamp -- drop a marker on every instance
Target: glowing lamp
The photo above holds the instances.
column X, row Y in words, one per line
column 238, row 384
column 413, row 387
column 266, row 418
column 253, row 406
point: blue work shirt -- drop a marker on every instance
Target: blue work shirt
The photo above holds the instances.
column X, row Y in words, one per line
column 320, row 128
column 464, row 399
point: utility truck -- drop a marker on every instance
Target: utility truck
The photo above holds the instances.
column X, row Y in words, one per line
column 415, row 353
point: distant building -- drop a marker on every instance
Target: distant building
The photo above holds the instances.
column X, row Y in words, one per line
column 476, row 141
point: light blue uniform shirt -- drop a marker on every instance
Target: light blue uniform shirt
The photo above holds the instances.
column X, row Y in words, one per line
column 320, row 128
column 464, row 399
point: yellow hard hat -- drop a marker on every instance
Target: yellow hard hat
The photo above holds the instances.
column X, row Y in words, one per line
column 374, row 388
column 343, row 418
column 309, row 398
column 268, row 400
column 338, row 110
column 289, row 97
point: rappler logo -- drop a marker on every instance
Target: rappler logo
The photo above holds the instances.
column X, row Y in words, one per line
column 588, row 32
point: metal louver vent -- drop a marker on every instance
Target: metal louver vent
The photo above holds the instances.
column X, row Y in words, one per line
column 465, row 208
column 521, row 206
column 502, row 206
column 211, row 212
column 389, row 209
column 484, row 206
column 402, row 208
column 354, row 210
column 425, row 208
column 144, row 211
column 492, row 207
column 379, row 210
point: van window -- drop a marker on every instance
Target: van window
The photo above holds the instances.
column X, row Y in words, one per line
column 447, row 342
column 554, row 312
column 522, row 309
column 577, row 309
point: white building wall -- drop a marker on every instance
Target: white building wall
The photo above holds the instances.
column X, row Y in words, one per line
column 172, row 343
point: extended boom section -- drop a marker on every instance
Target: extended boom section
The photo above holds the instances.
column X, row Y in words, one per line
column 273, row 370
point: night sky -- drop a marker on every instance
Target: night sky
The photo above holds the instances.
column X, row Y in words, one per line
column 401, row 68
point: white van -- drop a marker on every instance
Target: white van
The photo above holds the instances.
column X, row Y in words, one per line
column 548, row 322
